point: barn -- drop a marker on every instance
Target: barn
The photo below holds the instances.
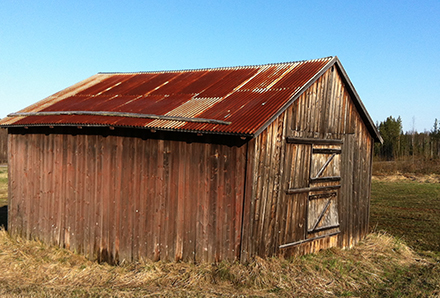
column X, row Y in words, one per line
column 196, row 165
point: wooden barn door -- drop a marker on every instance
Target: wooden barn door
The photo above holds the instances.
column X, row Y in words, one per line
column 325, row 178
column 313, row 182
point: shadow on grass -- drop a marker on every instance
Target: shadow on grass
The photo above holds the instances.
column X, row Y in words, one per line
column 4, row 217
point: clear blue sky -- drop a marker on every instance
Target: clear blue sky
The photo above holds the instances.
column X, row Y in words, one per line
column 390, row 49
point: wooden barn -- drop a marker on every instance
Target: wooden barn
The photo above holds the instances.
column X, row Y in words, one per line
column 195, row 165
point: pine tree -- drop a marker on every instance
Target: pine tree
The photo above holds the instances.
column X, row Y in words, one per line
column 390, row 131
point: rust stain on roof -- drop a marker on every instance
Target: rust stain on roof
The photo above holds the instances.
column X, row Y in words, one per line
column 238, row 100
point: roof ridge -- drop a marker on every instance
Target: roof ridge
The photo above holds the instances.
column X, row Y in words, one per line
column 219, row 68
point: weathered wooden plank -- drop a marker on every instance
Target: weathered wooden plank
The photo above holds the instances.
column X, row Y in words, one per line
column 229, row 203
column 318, row 108
column 246, row 250
column 154, row 201
column 340, row 105
column 169, row 203
column 118, row 163
column 278, row 157
column 24, row 189
column 64, row 192
column 240, row 185
column 324, row 228
column 80, row 202
column 259, row 181
column 307, row 240
column 98, row 208
column 12, row 186
column 204, row 208
column 308, row 189
column 368, row 180
column 356, row 178
column 350, row 193
column 266, row 190
column 296, row 140
column 104, row 178
column 32, row 189
column 325, row 195
column 314, row 100
column 280, row 199
column 122, row 208
column 174, row 197
column 285, row 180
column 74, row 195
column 213, row 195
column 149, row 201
column 326, row 151
column 221, row 205
column 190, row 197
column 91, row 216
column 135, row 198
column 325, row 103
column 325, row 179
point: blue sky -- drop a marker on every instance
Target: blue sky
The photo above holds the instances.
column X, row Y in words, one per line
column 390, row 49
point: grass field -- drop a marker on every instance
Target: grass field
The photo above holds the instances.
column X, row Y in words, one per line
column 408, row 210
column 401, row 258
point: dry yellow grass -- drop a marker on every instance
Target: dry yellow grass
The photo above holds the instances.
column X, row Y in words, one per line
column 32, row 269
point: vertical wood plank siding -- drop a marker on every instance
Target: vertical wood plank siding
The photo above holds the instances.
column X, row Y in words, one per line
column 272, row 217
column 3, row 145
column 115, row 198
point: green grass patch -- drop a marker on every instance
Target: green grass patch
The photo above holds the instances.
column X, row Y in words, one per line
column 408, row 210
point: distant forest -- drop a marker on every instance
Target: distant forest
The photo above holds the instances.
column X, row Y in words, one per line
column 398, row 145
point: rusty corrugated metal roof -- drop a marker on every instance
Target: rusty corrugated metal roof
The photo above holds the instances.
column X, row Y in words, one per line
column 235, row 100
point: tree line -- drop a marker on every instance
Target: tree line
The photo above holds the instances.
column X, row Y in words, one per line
column 400, row 145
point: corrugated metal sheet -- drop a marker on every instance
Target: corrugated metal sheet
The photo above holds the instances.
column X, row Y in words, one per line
column 246, row 97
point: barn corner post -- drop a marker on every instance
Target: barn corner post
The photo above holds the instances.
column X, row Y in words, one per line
column 196, row 165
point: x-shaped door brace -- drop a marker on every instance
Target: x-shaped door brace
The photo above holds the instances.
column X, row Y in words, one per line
column 329, row 160
column 318, row 220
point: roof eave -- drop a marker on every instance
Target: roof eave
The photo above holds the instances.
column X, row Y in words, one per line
column 112, row 127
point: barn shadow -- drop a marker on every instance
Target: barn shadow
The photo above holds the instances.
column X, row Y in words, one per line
column 4, row 217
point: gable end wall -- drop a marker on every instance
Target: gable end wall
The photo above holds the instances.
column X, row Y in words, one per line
column 271, row 217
